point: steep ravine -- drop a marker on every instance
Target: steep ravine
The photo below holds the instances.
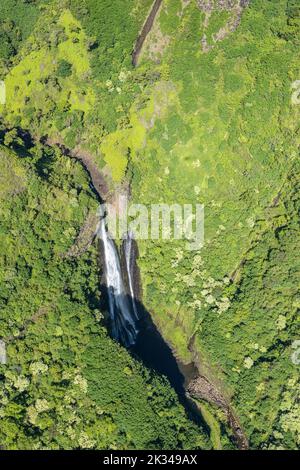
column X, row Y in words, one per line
column 150, row 346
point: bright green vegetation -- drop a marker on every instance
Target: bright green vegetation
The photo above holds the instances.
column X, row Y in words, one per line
column 230, row 141
column 186, row 126
column 67, row 384
column 48, row 90
column 215, row 432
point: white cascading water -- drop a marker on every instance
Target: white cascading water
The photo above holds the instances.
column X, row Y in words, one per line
column 123, row 317
column 128, row 247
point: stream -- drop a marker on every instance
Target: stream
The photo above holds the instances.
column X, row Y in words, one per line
column 132, row 326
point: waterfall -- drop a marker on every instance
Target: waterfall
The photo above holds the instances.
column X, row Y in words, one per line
column 129, row 258
column 123, row 316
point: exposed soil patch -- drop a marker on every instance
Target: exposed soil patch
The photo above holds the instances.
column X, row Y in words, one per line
column 155, row 43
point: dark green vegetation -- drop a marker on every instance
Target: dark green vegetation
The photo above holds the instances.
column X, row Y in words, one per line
column 206, row 117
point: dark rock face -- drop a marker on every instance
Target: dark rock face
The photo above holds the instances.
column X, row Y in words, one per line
column 145, row 31
column 134, row 271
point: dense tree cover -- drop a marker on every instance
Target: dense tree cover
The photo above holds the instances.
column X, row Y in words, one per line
column 64, row 68
column 254, row 339
column 114, row 27
column 82, row 102
column 66, row 384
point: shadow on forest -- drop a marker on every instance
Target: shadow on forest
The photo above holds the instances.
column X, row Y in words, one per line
column 154, row 352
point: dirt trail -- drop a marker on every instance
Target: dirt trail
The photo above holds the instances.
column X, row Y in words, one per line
column 145, row 31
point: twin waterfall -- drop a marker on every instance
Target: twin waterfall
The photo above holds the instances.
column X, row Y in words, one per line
column 122, row 307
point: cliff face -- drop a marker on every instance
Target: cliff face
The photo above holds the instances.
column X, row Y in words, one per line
column 211, row 144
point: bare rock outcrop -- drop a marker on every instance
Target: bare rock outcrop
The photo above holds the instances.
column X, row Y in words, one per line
column 203, row 389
